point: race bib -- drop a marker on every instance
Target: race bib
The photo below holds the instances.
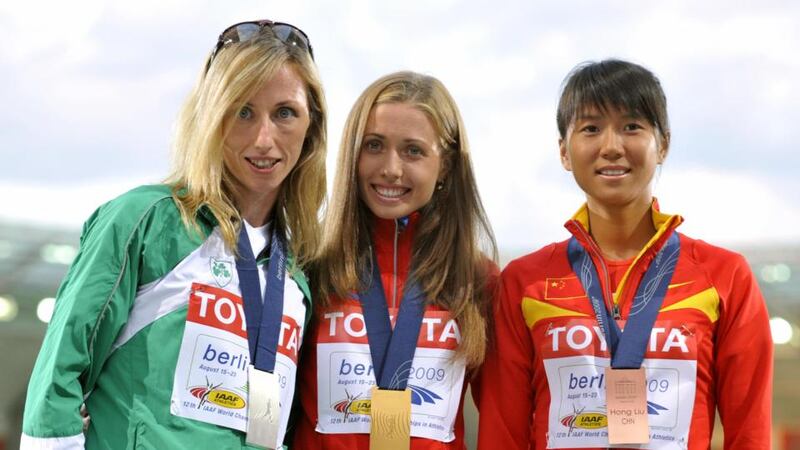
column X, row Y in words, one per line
column 211, row 380
column 345, row 375
column 576, row 377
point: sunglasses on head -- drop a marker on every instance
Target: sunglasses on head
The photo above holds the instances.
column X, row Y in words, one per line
column 246, row 31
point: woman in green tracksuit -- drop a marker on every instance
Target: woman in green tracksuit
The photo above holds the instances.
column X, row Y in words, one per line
column 149, row 327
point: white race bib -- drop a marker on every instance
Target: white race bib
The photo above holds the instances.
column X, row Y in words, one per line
column 211, row 381
column 345, row 375
column 576, row 377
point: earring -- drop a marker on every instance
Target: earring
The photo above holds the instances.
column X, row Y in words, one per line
column 439, row 185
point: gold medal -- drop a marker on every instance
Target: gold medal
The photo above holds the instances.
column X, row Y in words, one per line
column 391, row 420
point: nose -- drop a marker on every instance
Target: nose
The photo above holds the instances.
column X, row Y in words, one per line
column 612, row 145
column 392, row 165
column 265, row 135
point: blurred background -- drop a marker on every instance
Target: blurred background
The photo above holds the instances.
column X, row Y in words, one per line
column 90, row 90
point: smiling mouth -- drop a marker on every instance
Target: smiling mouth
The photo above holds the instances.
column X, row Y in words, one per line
column 613, row 172
column 391, row 193
column 262, row 163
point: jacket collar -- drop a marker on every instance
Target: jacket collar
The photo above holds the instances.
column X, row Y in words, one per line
column 383, row 230
column 665, row 224
column 660, row 220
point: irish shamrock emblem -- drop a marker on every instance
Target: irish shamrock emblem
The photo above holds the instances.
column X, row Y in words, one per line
column 221, row 270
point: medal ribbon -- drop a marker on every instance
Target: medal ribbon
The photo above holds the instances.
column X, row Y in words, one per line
column 627, row 348
column 392, row 351
column 263, row 315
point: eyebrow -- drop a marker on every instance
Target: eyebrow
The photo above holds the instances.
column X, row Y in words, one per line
column 290, row 102
column 628, row 116
column 411, row 140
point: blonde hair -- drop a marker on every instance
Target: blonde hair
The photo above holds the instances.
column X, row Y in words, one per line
column 447, row 259
column 200, row 178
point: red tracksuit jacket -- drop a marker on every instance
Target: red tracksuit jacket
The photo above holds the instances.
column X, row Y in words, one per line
column 710, row 348
column 339, row 330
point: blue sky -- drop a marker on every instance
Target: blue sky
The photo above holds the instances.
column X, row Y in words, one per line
column 91, row 89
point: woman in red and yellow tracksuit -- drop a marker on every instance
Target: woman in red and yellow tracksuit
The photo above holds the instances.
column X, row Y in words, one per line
column 626, row 294
column 404, row 287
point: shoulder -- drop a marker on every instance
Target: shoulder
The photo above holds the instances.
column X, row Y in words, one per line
column 145, row 217
column 711, row 256
column 487, row 268
column 127, row 210
column 703, row 250
column 142, row 197
column 534, row 268
column 727, row 270
column 535, row 262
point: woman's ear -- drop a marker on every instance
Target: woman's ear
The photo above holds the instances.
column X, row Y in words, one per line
column 446, row 164
column 663, row 148
column 562, row 150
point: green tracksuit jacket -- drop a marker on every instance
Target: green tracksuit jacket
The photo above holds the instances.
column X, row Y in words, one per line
column 116, row 333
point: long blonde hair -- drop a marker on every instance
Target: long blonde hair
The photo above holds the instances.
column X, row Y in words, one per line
column 200, row 178
column 447, row 258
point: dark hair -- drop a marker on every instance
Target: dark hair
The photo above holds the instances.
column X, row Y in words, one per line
column 616, row 84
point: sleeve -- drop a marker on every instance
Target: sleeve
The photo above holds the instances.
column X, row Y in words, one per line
column 475, row 383
column 492, row 290
column 743, row 362
column 92, row 305
column 506, row 394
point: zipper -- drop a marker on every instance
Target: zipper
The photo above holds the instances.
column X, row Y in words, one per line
column 609, row 295
column 394, row 263
column 609, row 298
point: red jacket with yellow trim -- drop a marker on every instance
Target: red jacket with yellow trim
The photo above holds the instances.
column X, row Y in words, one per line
column 713, row 310
column 394, row 263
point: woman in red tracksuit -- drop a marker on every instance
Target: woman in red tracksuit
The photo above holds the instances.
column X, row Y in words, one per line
column 402, row 245
column 627, row 309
